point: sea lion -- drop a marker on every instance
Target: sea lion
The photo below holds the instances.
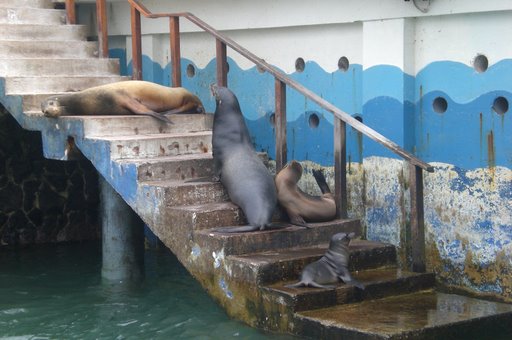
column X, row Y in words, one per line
column 247, row 180
column 331, row 267
column 124, row 98
column 301, row 207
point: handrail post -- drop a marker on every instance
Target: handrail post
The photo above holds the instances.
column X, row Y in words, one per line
column 136, row 44
column 222, row 63
column 70, row 12
column 280, row 124
column 101, row 13
column 340, row 168
column 174, row 29
column 417, row 219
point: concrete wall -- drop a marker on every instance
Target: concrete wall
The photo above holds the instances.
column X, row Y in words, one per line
column 42, row 200
column 436, row 81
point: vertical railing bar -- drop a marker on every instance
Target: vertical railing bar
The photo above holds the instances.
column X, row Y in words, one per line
column 136, row 44
column 70, row 12
column 174, row 29
column 417, row 219
column 222, row 63
column 101, row 13
column 340, row 168
column 280, row 124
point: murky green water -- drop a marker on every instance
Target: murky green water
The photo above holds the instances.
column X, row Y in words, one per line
column 55, row 292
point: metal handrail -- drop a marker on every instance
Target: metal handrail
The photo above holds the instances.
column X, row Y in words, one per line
column 281, row 81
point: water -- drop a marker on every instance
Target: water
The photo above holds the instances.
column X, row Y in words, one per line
column 56, row 292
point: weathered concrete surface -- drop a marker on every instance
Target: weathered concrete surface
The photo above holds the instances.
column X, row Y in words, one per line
column 424, row 315
column 468, row 216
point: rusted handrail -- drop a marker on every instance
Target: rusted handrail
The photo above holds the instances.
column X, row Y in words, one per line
column 101, row 14
column 281, row 81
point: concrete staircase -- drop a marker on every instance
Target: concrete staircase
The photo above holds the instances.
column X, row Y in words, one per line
column 149, row 163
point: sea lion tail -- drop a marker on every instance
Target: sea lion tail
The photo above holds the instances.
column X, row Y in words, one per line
column 320, row 180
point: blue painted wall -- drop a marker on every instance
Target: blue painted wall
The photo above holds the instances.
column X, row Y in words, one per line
column 470, row 134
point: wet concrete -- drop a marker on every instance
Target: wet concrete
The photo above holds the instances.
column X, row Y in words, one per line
column 426, row 314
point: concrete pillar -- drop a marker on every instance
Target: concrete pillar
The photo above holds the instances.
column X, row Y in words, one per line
column 123, row 238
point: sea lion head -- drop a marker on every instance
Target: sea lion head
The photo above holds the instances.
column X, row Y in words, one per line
column 340, row 241
column 225, row 99
column 52, row 107
column 292, row 171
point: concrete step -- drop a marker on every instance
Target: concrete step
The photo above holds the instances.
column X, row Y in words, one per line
column 422, row 315
column 286, row 265
column 42, row 32
column 267, row 240
column 9, row 14
column 58, row 67
column 27, row 3
column 97, row 126
column 379, row 283
column 47, row 49
column 173, row 168
column 155, row 145
column 183, row 193
column 22, row 85
column 206, row 216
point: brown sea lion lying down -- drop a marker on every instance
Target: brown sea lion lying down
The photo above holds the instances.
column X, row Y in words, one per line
column 124, row 98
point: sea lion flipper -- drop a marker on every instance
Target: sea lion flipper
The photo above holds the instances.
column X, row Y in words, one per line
column 138, row 108
column 317, row 285
column 298, row 221
column 242, row 229
column 320, row 180
column 349, row 280
column 296, row 285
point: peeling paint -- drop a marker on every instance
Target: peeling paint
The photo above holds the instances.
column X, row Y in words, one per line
column 225, row 288
column 218, row 259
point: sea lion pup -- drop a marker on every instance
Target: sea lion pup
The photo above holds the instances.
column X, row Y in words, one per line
column 331, row 267
column 301, row 207
column 247, row 180
column 124, row 98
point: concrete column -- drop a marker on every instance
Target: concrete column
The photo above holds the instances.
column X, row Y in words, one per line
column 123, row 238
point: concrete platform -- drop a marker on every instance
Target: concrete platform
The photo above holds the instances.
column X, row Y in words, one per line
column 422, row 315
column 35, row 84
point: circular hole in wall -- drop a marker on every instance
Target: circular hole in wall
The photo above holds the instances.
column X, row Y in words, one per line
column 272, row 119
column 440, row 105
column 191, row 70
column 313, row 120
column 300, row 65
column 343, row 64
column 500, row 105
column 358, row 118
column 227, row 67
column 481, row 63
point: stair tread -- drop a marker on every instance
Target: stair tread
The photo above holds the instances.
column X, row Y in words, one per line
column 299, row 253
column 163, row 159
column 154, row 136
column 417, row 314
column 366, row 277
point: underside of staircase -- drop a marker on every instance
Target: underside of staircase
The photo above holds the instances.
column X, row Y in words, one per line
column 149, row 162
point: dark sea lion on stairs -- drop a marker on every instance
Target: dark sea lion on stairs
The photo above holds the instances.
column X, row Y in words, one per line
column 248, row 182
column 301, row 207
column 124, row 98
column 331, row 268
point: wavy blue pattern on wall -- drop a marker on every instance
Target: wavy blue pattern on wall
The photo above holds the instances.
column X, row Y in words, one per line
column 399, row 106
